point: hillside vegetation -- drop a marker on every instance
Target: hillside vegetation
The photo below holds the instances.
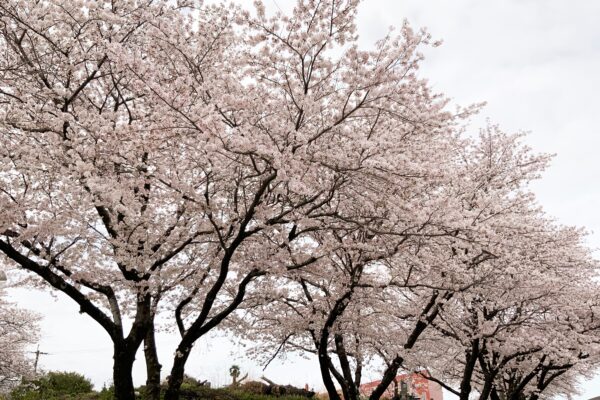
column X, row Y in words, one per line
column 74, row 386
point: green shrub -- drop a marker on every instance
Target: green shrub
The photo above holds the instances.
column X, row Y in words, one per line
column 205, row 393
column 74, row 386
column 242, row 395
column 255, row 387
column 53, row 386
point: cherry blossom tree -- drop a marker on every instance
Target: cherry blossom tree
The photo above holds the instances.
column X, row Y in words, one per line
column 180, row 157
column 158, row 149
column 295, row 102
column 557, row 350
column 96, row 161
column 339, row 142
column 499, row 268
column 18, row 330
column 514, row 344
column 538, row 348
column 508, row 334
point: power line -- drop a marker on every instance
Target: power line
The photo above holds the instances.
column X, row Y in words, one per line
column 277, row 5
column 95, row 350
column 88, row 350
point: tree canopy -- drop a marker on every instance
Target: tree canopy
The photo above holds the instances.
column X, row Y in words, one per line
column 260, row 172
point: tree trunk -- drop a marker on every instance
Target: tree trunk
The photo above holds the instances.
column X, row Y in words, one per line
column 123, row 364
column 177, row 371
column 322, row 350
column 349, row 387
column 388, row 377
column 153, row 366
column 326, row 375
column 494, row 395
column 486, row 390
column 470, row 360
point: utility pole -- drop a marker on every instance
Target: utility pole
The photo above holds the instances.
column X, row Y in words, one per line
column 37, row 357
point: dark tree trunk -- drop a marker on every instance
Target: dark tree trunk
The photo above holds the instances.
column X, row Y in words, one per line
column 177, row 371
column 349, row 387
column 470, row 361
column 489, row 371
column 358, row 374
column 153, row 366
column 387, row 379
column 326, row 374
column 123, row 357
column 494, row 394
column 325, row 363
column 486, row 390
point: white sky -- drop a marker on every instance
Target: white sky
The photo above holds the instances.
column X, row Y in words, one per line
column 536, row 63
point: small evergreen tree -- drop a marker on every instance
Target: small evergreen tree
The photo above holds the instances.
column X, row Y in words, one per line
column 234, row 372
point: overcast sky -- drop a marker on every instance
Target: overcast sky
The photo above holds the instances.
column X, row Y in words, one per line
column 535, row 62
